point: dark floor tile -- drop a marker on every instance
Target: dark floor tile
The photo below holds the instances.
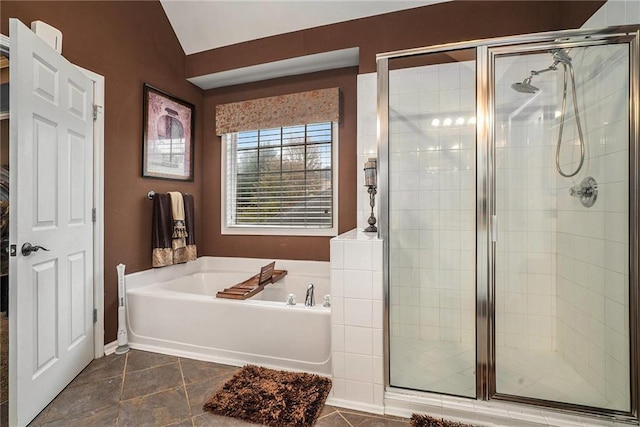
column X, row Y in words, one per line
column 159, row 409
column 147, row 381
column 197, row 370
column 83, row 401
column 4, row 414
column 211, row 420
column 99, row 369
column 358, row 420
column 105, row 418
column 137, row 360
column 200, row 392
column 332, row 420
column 326, row 410
column 183, row 423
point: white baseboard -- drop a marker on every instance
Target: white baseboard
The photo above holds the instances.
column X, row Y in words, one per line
column 357, row 406
column 110, row 348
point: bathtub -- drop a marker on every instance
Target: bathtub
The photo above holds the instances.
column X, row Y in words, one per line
column 174, row 310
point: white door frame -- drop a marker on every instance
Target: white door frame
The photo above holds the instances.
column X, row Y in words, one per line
column 98, row 202
column 98, row 206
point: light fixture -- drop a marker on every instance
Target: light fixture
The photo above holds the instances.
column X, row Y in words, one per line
column 371, row 181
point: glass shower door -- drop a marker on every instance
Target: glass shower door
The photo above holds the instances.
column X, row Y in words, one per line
column 432, row 202
column 561, row 152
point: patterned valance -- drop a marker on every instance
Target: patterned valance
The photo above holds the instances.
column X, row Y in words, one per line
column 276, row 111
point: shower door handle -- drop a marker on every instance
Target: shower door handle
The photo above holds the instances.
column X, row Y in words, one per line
column 27, row 248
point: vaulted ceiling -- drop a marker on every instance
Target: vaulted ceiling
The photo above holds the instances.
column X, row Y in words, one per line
column 203, row 25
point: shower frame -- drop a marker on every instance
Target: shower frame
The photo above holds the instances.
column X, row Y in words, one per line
column 486, row 52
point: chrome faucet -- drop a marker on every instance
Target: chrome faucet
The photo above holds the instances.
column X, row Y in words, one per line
column 309, row 300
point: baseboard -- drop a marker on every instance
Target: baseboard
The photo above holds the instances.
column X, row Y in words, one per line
column 356, row 406
column 110, row 348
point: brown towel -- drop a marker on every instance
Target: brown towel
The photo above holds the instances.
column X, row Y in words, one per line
column 163, row 251
column 161, row 231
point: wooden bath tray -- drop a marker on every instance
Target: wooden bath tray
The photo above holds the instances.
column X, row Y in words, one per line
column 255, row 284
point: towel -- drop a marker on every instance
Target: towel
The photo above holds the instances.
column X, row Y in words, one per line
column 161, row 231
column 177, row 213
column 165, row 251
column 189, row 252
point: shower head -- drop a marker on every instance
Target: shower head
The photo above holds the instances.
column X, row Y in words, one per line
column 524, row 86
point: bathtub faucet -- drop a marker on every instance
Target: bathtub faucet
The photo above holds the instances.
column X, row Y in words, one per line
column 309, row 300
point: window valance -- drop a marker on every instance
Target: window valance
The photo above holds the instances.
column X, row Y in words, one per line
column 278, row 111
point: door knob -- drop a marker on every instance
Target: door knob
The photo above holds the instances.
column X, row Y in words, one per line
column 27, row 248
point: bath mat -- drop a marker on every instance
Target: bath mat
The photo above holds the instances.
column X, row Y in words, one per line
column 270, row 397
column 427, row 421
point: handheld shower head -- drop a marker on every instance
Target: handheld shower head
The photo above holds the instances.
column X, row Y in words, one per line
column 525, row 86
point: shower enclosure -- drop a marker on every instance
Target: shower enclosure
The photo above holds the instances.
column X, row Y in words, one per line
column 509, row 214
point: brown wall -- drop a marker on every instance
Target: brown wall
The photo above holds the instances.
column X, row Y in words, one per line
column 430, row 25
column 282, row 247
column 128, row 43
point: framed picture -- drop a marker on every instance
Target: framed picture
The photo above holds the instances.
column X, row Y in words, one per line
column 167, row 150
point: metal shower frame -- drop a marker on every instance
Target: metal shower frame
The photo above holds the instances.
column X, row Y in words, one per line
column 486, row 52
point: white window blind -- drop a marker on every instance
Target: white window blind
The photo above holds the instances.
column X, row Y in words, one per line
column 281, row 178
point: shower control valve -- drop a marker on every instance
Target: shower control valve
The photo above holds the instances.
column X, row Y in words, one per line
column 587, row 191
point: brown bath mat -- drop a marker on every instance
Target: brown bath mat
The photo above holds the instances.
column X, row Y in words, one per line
column 270, row 397
column 427, row 421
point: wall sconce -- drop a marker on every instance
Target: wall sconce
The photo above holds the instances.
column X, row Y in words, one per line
column 371, row 181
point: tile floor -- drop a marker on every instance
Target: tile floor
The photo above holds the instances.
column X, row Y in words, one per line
column 148, row 389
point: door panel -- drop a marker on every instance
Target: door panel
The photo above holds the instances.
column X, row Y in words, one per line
column 51, row 201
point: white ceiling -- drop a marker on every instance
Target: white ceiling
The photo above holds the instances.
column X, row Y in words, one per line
column 208, row 24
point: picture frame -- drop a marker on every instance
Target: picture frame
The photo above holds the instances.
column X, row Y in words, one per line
column 167, row 136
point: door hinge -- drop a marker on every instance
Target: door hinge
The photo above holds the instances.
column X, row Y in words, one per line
column 96, row 110
column 95, row 315
column 93, row 215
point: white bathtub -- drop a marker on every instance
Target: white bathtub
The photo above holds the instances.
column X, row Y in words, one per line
column 174, row 310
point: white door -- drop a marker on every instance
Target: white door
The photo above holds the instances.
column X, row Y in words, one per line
column 51, row 199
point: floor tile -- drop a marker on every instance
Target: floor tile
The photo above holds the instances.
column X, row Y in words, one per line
column 4, row 414
column 212, row 420
column 326, row 410
column 105, row 418
column 197, row 370
column 184, row 423
column 82, row 401
column 357, row 420
column 201, row 391
column 332, row 420
column 99, row 369
column 137, row 360
column 161, row 391
column 152, row 380
column 159, row 409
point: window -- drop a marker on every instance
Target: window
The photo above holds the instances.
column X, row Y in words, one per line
column 281, row 181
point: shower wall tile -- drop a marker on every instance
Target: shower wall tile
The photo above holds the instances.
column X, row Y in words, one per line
column 356, row 321
column 615, row 12
column 433, row 151
column 592, row 254
column 367, row 144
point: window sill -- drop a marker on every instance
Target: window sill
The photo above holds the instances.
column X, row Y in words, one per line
column 275, row 231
